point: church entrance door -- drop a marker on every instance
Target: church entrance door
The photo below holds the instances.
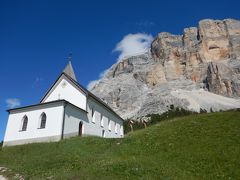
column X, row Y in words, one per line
column 80, row 129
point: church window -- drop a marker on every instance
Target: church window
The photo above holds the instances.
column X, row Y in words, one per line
column 64, row 84
column 93, row 115
column 115, row 127
column 103, row 133
column 101, row 120
column 121, row 130
column 43, row 119
column 24, row 123
column 109, row 124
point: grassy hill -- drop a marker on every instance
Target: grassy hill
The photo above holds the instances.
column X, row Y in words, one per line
column 205, row 146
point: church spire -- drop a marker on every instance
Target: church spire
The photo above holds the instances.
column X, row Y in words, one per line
column 69, row 69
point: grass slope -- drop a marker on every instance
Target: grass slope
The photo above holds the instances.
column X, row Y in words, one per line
column 205, row 146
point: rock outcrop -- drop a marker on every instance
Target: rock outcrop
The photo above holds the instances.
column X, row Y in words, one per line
column 206, row 58
column 200, row 51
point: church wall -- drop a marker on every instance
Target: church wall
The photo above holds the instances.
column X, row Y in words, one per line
column 67, row 90
column 73, row 116
column 106, row 114
column 33, row 133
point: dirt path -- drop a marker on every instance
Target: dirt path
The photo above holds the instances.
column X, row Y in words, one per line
column 4, row 170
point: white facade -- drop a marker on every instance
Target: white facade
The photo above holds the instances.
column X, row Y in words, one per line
column 69, row 110
column 14, row 134
column 65, row 89
column 101, row 118
column 73, row 116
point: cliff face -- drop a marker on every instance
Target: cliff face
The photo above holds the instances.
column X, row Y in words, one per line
column 180, row 69
column 200, row 52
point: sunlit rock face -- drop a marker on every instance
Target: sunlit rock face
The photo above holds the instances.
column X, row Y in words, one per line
column 206, row 58
column 212, row 49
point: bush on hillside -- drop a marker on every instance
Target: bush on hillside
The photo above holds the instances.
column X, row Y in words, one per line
column 155, row 118
column 136, row 125
column 171, row 113
column 230, row 110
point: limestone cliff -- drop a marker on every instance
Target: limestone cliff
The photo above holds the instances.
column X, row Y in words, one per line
column 184, row 70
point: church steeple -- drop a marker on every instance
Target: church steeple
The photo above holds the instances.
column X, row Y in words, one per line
column 69, row 69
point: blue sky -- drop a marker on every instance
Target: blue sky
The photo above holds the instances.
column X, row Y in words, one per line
column 37, row 36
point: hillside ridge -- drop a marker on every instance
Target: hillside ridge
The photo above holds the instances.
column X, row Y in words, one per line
column 165, row 150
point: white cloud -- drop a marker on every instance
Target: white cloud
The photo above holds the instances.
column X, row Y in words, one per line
column 91, row 84
column 13, row 102
column 133, row 44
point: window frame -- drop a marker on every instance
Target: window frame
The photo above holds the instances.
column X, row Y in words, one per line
column 41, row 120
column 109, row 125
column 115, row 127
column 121, row 130
column 24, row 124
column 93, row 115
column 101, row 120
column 103, row 133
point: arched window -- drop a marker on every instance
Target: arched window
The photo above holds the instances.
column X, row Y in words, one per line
column 103, row 133
column 109, row 124
column 93, row 115
column 80, row 128
column 101, row 120
column 24, row 123
column 116, row 127
column 43, row 119
column 121, row 130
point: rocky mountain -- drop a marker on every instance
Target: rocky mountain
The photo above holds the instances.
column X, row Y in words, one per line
column 199, row 69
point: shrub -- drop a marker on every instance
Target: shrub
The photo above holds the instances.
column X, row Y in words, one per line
column 137, row 125
column 156, row 118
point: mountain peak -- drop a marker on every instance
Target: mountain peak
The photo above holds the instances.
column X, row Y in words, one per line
column 180, row 69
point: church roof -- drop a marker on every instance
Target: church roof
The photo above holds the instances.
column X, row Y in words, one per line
column 42, row 104
column 88, row 93
column 69, row 71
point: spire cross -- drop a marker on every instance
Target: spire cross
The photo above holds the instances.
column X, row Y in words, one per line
column 70, row 57
column 69, row 69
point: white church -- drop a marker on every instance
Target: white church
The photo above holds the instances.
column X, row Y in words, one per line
column 66, row 110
